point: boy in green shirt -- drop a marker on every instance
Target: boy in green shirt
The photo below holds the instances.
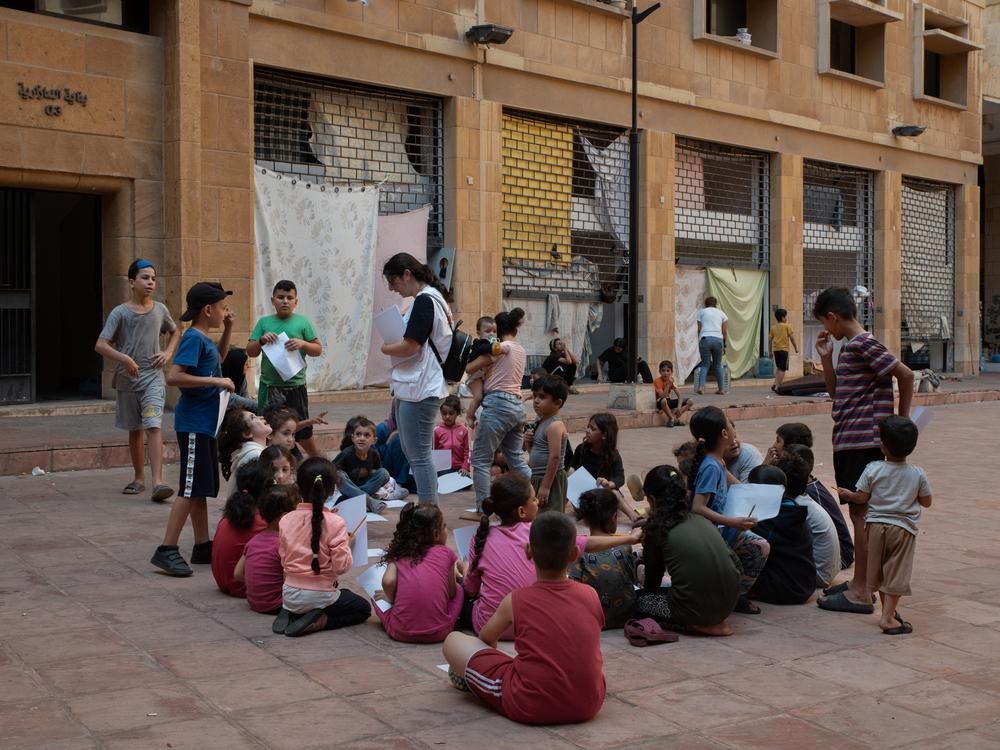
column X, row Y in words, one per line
column 273, row 391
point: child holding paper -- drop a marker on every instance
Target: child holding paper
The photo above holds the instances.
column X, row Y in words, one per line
column 314, row 546
column 557, row 676
column 274, row 390
column 598, row 454
column 546, row 443
column 421, row 578
column 709, row 481
column 452, row 436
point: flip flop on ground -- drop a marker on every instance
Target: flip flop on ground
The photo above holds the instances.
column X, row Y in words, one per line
column 133, row 488
column 840, row 603
column 161, row 492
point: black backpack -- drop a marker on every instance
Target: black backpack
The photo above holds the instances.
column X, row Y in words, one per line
column 453, row 366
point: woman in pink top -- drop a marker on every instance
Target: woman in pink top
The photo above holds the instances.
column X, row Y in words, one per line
column 421, row 579
column 314, row 545
column 501, row 423
column 497, row 562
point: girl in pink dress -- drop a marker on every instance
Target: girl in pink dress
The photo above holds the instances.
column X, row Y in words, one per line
column 421, row 578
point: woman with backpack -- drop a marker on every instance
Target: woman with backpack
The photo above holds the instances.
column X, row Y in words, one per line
column 501, row 422
column 417, row 379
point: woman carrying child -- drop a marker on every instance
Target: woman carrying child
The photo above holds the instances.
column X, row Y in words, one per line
column 704, row 572
column 421, row 578
column 238, row 525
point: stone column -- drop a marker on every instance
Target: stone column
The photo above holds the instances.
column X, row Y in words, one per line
column 966, row 335
column 786, row 250
column 656, row 259
column 991, row 255
column 888, row 259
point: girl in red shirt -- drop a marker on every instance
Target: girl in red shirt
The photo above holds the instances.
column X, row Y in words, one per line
column 239, row 523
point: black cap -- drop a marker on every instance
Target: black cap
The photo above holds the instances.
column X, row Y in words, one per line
column 201, row 294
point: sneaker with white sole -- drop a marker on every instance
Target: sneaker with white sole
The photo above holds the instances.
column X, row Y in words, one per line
column 400, row 493
column 168, row 559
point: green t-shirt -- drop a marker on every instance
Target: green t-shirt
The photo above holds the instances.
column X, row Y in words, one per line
column 295, row 327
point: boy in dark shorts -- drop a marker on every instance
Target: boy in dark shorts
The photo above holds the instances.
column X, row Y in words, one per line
column 673, row 407
column 197, row 371
column 778, row 341
column 557, row 676
column 273, row 390
column 861, row 387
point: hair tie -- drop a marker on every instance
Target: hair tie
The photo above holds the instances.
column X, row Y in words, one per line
column 318, row 479
column 315, row 556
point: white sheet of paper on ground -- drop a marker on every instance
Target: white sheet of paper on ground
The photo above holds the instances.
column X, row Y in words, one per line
column 374, row 518
column 375, row 552
column 395, row 503
column 288, row 364
column 371, row 582
column 453, row 482
column 763, row 499
column 389, row 324
column 463, row 538
column 443, row 667
column 579, row 482
column 223, row 405
column 921, row 417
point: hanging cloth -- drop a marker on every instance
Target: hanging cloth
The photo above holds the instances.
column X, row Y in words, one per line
column 740, row 293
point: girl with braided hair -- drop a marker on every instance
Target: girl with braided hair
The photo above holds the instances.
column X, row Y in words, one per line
column 704, row 571
column 314, row 546
column 710, row 482
column 421, row 578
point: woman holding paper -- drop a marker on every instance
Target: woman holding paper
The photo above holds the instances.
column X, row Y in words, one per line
column 417, row 380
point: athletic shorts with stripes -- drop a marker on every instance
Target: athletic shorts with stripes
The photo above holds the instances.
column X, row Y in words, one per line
column 199, row 465
column 485, row 674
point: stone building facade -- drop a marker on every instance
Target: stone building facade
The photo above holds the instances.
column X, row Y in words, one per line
column 794, row 130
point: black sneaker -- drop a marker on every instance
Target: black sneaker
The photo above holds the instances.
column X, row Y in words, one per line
column 281, row 622
column 201, row 554
column 168, row 559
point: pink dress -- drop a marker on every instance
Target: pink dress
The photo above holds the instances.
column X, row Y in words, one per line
column 423, row 611
column 502, row 568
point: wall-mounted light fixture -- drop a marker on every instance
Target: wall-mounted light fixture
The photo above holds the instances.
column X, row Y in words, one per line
column 489, row 33
column 908, row 131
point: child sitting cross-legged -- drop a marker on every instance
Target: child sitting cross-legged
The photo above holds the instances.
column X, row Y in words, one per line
column 497, row 564
column 598, row 454
column 359, row 466
column 557, row 676
column 611, row 573
column 421, row 578
column 239, row 524
column 453, row 436
column 260, row 566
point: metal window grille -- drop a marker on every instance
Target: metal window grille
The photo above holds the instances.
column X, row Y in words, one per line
column 16, row 320
column 347, row 134
column 928, row 261
column 721, row 205
column 565, row 208
column 838, row 237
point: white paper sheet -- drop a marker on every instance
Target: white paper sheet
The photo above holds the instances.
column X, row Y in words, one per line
column 223, row 405
column 763, row 499
column 359, row 546
column 454, row 482
column 389, row 324
column 353, row 511
column 375, row 552
column 579, row 482
column 375, row 518
column 442, row 460
column 371, row 582
column 288, row 364
column 921, row 416
column 463, row 538
column 395, row 504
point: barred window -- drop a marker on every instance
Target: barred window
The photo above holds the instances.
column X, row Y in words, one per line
column 721, row 204
column 928, row 261
column 344, row 133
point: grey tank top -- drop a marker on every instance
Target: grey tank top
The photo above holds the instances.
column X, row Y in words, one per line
column 538, row 459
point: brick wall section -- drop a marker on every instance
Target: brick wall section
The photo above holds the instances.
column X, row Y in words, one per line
column 786, row 249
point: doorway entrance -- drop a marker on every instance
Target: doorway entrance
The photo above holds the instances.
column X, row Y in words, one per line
column 50, row 295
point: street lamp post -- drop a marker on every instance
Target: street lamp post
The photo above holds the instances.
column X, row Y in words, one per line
column 632, row 333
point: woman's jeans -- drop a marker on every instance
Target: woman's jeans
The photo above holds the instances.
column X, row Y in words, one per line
column 501, row 425
column 369, row 487
column 710, row 348
column 415, row 423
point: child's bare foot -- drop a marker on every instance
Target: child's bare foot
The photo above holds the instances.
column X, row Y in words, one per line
column 713, row 631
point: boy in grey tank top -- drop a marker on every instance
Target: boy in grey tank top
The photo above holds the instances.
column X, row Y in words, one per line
column 546, row 443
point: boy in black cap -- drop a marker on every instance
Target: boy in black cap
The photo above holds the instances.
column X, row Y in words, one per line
column 197, row 372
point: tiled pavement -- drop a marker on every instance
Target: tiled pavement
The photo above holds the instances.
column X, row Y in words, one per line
column 98, row 650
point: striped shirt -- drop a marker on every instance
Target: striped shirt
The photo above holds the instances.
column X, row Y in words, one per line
column 864, row 392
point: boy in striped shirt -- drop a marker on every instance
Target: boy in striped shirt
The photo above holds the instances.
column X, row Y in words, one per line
column 861, row 388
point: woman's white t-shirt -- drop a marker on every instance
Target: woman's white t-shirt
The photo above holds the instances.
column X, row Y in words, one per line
column 420, row 377
column 711, row 319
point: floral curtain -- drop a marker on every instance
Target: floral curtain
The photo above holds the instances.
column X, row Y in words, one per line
column 689, row 296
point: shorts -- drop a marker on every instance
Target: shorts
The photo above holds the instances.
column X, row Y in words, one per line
column 849, row 465
column 890, row 558
column 199, row 465
column 140, row 410
column 672, row 403
column 485, row 673
column 781, row 360
column 294, row 397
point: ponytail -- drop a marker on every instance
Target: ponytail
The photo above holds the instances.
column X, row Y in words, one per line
column 317, row 479
column 241, row 506
column 707, row 425
column 401, row 262
column 507, row 493
column 509, row 322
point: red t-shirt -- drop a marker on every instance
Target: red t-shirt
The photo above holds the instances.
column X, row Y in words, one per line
column 557, row 676
column 227, row 549
column 263, row 572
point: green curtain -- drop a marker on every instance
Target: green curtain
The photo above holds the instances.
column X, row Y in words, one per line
column 741, row 297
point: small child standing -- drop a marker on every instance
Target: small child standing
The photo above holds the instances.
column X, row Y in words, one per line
column 315, row 548
column 673, row 408
column 242, row 438
column 238, row 525
column 452, row 436
column 421, row 578
column 486, row 343
column 546, row 443
column 557, row 676
column 197, row 373
column 611, row 573
column 861, row 387
column 359, row 466
column 131, row 337
column 260, row 566
column 778, row 339
column 273, row 389
column 894, row 492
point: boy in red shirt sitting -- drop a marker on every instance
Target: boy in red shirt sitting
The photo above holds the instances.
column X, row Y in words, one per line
column 557, row 676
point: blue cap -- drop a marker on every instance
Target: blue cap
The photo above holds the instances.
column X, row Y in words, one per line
column 137, row 265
